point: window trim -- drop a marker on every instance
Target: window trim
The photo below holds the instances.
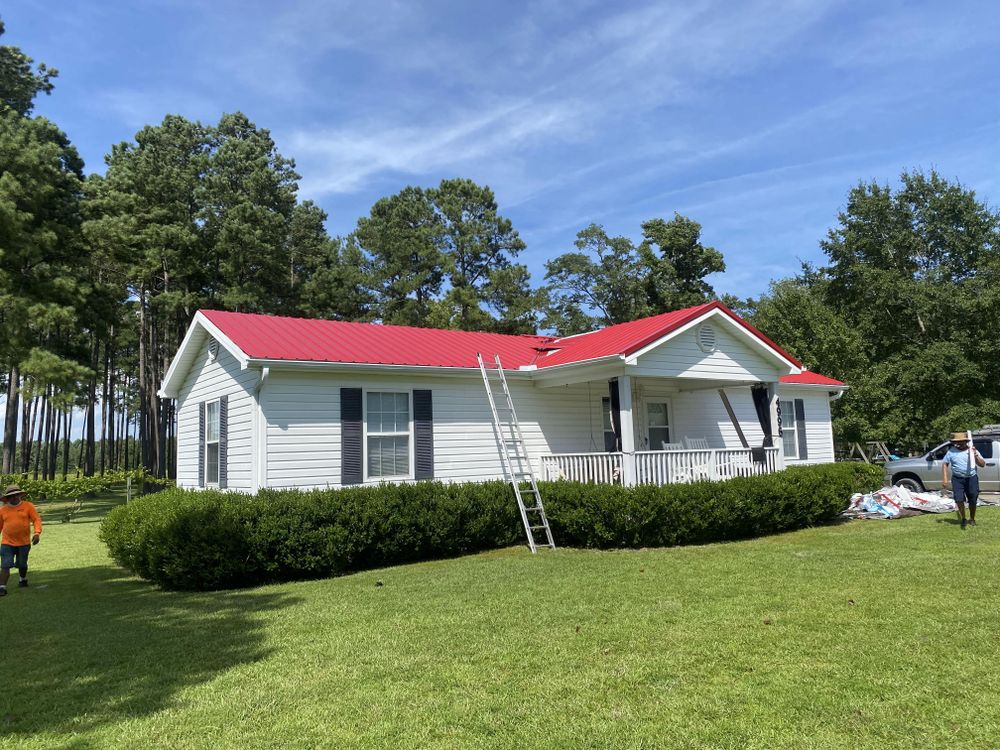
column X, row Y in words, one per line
column 793, row 428
column 410, row 475
column 217, row 442
column 645, row 419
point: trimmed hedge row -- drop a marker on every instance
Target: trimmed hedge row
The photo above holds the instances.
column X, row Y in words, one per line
column 209, row 539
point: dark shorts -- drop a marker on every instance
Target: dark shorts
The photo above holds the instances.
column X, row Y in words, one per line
column 965, row 489
column 14, row 557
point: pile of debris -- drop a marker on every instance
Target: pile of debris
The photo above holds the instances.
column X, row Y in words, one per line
column 895, row 502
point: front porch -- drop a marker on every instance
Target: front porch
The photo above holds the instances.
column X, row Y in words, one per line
column 660, row 467
column 701, row 403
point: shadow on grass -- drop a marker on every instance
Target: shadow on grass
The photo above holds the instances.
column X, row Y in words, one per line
column 88, row 647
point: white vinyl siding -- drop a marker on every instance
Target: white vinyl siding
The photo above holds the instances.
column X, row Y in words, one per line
column 302, row 411
column 733, row 358
column 207, row 381
column 819, row 428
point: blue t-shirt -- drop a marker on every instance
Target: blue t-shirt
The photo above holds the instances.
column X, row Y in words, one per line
column 958, row 459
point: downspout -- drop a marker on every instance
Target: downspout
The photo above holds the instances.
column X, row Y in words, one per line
column 260, row 432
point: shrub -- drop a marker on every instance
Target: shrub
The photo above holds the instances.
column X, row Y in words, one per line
column 663, row 516
column 76, row 488
column 210, row 539
column 206, row 540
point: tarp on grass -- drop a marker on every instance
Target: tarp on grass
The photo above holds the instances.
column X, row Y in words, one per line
column 891, row 502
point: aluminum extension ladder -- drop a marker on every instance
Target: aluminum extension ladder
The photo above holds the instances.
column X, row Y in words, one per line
column 516, row 464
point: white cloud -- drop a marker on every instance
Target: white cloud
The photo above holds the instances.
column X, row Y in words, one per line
column 552, row 91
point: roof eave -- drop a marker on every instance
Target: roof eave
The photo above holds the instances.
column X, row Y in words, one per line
column 174, row 377
column 305, row 364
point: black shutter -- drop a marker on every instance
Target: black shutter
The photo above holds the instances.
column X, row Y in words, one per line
column 800, row 426
column 616, row 412
column 423, row 435
column 762, row 405
column 223, row 440
column 351, row 435
column 201, row 444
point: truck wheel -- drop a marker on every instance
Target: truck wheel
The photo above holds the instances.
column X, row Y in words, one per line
column 911, row 483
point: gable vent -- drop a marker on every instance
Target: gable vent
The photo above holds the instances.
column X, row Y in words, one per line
column 213, row 349
column 706, row 338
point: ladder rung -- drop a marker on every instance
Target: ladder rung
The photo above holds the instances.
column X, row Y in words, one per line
column 535, row 508
column 536, row 528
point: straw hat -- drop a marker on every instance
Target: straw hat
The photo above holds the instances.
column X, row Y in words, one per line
column 959, row 437
column 13, row 490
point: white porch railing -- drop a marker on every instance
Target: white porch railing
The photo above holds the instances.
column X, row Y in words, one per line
column 593, row 468
column 668, row 467
column 658, row 467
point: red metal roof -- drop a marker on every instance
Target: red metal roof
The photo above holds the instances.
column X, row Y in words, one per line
column 628, row 338
column 809, row 378
column 309, row 340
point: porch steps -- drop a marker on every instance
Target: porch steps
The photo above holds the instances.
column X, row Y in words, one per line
column 514, row 452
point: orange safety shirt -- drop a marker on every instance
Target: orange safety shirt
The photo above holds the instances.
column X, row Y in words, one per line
column 15, row 523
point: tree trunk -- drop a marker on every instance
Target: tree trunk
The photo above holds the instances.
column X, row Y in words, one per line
column 104, row 409
column 109, row 364
column 10, row 420
column 28, row 435
column 154, row 405
column 54, row 443
column 91, row 458
column 41, row 425
column 25, row 434
column 68, row 430
column 127, row 424
column 83, row 443
column 142, row 418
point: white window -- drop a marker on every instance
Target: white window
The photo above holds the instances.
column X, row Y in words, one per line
column 388, row 434
column 789, row 431
column 658, row 425
column 212, row 442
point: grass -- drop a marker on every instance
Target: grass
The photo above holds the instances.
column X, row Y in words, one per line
column 862, row 635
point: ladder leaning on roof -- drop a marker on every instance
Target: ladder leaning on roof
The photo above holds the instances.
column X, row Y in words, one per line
column 516, row 464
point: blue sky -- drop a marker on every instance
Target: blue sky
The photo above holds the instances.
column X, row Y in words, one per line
column 754, row 118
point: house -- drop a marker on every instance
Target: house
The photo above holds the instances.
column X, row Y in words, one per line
column 266, row 401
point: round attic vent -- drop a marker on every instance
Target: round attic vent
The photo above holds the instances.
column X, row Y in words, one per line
column 213, row 349
column 706, row 338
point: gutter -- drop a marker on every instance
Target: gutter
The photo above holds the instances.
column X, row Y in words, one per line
column 300, row 364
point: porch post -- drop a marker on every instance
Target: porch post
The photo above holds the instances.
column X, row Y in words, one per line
column 772, row 394
column 628, row 430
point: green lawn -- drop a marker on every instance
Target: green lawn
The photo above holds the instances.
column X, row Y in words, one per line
column 864, row 635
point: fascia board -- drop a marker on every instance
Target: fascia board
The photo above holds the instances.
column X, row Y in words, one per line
column 815, row 386
column 454, row 372
column 169, row 388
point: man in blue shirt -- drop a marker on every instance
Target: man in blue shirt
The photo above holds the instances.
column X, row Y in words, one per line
column 964, row 478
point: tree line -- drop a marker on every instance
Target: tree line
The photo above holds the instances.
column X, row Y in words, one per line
column 101, row 274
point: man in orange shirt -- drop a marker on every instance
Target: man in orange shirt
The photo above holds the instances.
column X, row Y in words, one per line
column 16, row 517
